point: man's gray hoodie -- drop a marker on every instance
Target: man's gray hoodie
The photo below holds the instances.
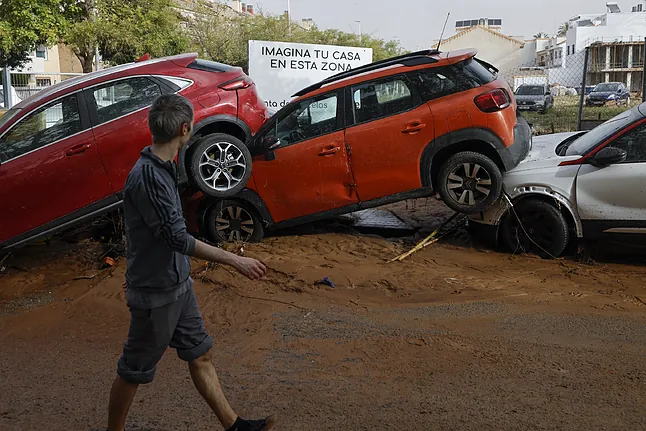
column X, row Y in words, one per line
column 158, row 244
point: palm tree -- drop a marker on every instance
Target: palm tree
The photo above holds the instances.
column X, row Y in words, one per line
column 540, row 35
column 563, row 28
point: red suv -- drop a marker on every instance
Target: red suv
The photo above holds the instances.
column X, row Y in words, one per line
column 66, row 152
column 388, row 131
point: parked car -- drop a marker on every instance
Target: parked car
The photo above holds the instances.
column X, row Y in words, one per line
column 578, row 185
column 534, row 98
column 608, row 92
column 15, row 99
column 65, row 152
column 388, row 131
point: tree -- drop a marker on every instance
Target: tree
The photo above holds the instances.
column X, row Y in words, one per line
column 224, row 36
column 540, row 35
column 122, row 30
column 563, row 28
column 24, row 24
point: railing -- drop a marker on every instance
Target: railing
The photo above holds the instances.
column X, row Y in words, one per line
column 602, row 67
column 620, row 39
column 26, row 84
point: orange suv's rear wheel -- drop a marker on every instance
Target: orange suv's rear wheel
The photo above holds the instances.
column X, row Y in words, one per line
column 469, row 182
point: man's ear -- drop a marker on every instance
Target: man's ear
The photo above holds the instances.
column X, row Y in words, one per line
column 186, row 128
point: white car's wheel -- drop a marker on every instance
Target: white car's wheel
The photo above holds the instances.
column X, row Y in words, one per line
column 534, row 226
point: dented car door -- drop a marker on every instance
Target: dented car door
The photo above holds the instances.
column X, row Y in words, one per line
column 310, row 171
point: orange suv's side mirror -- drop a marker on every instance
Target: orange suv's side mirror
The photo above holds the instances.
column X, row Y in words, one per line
column 269, row 143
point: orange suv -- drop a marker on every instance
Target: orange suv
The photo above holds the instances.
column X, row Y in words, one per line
column 401, row 128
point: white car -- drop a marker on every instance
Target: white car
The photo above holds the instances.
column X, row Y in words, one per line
column 572, row 186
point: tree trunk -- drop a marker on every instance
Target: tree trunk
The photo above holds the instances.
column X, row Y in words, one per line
column 86, row 57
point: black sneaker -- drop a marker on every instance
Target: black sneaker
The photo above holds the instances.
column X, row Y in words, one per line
column 251, row 425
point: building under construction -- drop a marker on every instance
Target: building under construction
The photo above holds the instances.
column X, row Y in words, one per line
column 617, row 62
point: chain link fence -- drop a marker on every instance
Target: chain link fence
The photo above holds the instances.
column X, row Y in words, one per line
column 555, row 93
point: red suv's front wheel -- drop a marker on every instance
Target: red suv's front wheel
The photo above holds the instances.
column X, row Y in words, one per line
column 469, row 182
column 220, row 165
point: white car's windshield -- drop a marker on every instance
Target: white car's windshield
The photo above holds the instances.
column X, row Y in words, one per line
column 606, row 87
column 594, row 137
column 530, row 90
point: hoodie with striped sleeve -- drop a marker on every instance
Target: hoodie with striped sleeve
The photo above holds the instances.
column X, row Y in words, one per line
column 158, row 244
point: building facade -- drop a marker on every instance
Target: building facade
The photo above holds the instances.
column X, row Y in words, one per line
column 616, row 43
column 500, row 50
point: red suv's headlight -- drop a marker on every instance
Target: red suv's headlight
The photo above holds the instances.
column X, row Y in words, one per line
column 493, row 101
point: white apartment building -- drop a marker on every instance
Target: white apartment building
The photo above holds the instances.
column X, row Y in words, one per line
column 616, row 40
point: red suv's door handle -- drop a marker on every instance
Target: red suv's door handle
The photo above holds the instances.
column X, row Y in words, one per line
column 413, row 127
column 78, row 149
column 328, row 151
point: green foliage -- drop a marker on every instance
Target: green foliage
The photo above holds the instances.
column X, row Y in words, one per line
column 563, row 28
column 224, row 36
column 123, row 30
column 130, row 28
column 24, row 24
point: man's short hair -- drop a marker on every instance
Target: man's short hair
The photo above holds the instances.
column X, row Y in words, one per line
column 166, row 116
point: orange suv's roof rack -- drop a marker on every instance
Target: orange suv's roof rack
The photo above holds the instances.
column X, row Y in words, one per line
column 410, row 59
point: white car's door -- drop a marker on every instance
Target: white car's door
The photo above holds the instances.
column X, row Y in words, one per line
column 612, row 199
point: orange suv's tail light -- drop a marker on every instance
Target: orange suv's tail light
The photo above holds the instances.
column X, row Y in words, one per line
column 493, row 101
column 237, row 84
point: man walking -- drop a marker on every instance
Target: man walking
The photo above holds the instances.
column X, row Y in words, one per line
column 160, row 293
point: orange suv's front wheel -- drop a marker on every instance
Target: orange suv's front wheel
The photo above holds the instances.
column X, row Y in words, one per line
column 469, row 182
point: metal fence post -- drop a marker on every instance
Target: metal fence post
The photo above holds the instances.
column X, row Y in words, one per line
column 6, row 84
column 583, row 82
column 644, row 72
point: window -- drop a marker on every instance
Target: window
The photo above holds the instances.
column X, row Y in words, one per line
column 308, row 119
column 43, row 82
column 177, row 84
column 568, row 50
column 437, row 82
column 634, row 144
column 124, row 97
column 572, row 49
column 377, row 100
column 41, row 52
column 40, row 128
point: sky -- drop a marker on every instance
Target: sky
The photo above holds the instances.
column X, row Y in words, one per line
column 416, row 24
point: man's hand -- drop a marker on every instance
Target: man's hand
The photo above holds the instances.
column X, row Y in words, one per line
column 245, row 266
column 250, row 268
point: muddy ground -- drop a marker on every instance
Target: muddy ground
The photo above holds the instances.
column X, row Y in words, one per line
column 456, row 337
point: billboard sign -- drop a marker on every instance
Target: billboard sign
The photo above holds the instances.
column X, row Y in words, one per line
column 281, row 69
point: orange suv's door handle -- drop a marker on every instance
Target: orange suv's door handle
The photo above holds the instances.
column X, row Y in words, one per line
column 414, row 127
column 78, row 149
column 328, row 151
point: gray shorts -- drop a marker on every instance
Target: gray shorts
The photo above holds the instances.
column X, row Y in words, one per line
column 178, row 325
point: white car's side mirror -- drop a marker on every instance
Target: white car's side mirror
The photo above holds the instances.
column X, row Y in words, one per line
column 609, row 156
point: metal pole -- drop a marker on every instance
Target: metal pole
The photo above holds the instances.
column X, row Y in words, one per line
column 289, row 18
column 644, row 72
column 6, row 84
column 360, row 32
column 97, row 63
column 583, row 82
